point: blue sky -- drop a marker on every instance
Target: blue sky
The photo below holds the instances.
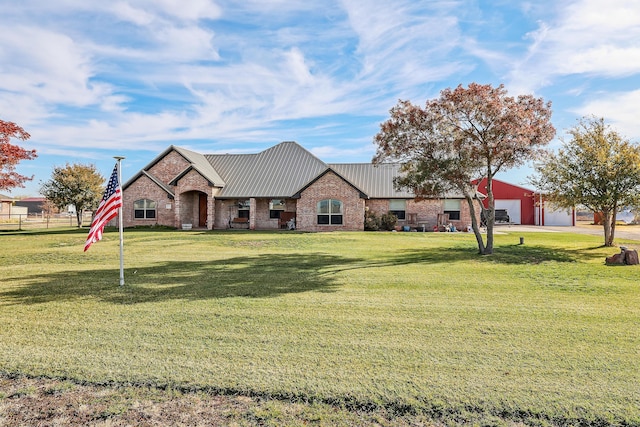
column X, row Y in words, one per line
column 90, row 79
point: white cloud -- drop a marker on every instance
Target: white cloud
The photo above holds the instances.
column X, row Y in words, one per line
column 57, row 71
column 618, row 109
column 585, row 38
column 404, row 43
column 191, row 10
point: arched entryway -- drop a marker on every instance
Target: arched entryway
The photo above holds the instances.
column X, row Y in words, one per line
column 194, row 208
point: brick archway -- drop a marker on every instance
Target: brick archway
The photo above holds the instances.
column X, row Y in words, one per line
column 194, row 209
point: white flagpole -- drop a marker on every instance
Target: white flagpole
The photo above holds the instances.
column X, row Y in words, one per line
column 119, row 159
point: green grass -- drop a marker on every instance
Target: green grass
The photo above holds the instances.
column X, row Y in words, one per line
column 409, row 323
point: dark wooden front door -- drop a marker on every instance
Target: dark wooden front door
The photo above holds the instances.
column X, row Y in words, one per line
column 202, row 220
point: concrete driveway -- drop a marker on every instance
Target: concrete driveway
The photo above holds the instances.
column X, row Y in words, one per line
column 629, row 232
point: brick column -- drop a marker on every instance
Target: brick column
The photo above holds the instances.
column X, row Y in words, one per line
column 252, row 213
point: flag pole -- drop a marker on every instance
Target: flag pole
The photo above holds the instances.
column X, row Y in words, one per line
column 119, row 159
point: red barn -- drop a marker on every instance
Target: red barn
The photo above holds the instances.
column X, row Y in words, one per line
column 523, row 205
column 519, row 202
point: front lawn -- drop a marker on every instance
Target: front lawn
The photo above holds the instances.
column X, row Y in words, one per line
column 410, row 324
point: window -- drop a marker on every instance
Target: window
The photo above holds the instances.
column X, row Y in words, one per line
column 243, row 208
column 452, row 207
column 276, row 207
column 398, row 208
column 144, row 209
column 329, row 212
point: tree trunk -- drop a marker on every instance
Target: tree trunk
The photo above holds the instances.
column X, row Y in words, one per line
column 612, row 233
column 474, row 223
column 606, row 223
column 79, row 217
column 491, row 216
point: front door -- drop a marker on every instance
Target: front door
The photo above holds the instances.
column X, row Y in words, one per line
column 202, row 220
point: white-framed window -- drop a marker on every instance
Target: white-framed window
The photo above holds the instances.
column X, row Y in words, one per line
column 452, row 207
column 330, row 212
column 398, row 207
column 144, row 209
column 243, row 208
column 276, row 207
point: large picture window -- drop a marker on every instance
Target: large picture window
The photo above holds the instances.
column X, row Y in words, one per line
column 329, row 212
column 452, row 207
column 144, row 209
column 398, row 208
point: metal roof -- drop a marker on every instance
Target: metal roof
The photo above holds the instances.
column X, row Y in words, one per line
column 202, row 165
column 374, row 180
column 279, row 171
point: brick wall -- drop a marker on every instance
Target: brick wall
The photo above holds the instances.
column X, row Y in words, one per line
column 145, row 188
column 169, row 167
column 330, row 186
column 424, row 212
column 378, row 206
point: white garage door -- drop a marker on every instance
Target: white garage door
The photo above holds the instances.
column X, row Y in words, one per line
column 555, row 216
column 513, row 209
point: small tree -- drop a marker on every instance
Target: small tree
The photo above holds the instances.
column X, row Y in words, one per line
column 78, row 185
column 456, row 140
column 11, row 155
column 597, row 168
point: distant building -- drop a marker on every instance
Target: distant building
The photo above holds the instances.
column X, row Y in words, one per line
column 8, row 208
column 34, row 205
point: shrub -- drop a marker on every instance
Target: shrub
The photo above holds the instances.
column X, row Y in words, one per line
column 371, row 221
column 388, row 221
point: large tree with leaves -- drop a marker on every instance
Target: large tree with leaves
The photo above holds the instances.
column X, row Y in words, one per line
column 465, row 135
column 11, row 155
column 77, row 184
column 596, row 168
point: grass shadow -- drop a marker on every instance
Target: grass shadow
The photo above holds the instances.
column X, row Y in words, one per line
column 261, row 276
column 515, row 254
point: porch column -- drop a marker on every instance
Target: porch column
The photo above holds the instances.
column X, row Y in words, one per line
column 211, row 203
column 252, row 213
column 176, row 211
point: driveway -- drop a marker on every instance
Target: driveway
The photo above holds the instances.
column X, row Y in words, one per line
column 629, row 232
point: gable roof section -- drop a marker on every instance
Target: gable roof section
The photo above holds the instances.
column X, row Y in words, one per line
column 374, row 180
column 159, row 183
column 200, row 164
column 197, row 161
column 297, row 195
column 280, row 171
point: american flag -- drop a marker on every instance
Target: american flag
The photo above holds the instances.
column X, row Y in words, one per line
column 107, row 210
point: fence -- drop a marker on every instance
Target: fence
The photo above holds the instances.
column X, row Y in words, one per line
column 20, row 222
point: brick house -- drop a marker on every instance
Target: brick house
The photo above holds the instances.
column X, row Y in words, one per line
column 272, row 189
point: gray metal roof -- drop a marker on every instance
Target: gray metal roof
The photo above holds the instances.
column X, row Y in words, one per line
column 202, row 165
column 374, row 180
column 279, row 171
